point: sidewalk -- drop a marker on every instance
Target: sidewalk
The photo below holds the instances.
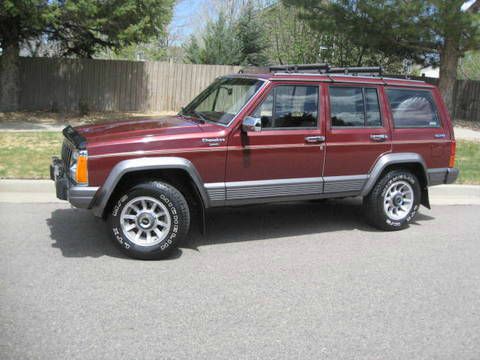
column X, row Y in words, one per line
column 462, row 133
column 43, row 191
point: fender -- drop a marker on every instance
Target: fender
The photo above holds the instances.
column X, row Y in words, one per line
column 147, row 163
column 392, row 159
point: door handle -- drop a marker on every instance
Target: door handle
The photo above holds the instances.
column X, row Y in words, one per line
column 314, row 139
column 378, row 137
column 440, row 136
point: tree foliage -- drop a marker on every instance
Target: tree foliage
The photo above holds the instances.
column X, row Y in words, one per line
column 294, row 39
column 251, row 37
column 218, row 44
column 77, row 27
column 414, row 29
column 233, row 41
column 430, row 32
column 84, row 26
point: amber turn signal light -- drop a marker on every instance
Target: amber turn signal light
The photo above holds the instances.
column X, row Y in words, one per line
column 81, row 176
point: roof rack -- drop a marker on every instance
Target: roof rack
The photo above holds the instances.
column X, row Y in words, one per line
column 327, row 69
column 321, row 68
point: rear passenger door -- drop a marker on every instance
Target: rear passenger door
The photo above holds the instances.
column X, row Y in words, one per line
column 418, row 126
column 357, row 134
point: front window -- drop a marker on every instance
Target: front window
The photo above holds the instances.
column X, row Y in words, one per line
column 290, row 107
column 223, row 99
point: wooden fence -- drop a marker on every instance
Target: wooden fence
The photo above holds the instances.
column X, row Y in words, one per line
column 113, row 85
column 467, row 100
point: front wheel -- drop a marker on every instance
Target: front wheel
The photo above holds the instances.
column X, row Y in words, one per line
column 394, row 201
column 149, row 220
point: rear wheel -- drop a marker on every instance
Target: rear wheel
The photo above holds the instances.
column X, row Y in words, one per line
column 149, row 220
column 394, row 201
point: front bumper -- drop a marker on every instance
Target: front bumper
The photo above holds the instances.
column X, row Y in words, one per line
column 79, row 196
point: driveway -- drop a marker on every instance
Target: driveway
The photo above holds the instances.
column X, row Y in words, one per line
column 297, row 281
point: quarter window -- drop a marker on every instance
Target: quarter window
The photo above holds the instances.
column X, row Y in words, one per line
column 413, row 108
column 289, row 107
column 354, row 107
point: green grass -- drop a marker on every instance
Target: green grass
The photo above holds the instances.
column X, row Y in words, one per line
column 26, row 155
column 468, row 161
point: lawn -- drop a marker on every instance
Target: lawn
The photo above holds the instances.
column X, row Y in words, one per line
column 26, row 155
column 468, row 161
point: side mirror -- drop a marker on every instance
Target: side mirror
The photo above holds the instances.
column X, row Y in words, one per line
column 251, row 124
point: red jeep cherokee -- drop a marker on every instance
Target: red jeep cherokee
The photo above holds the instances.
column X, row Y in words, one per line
column 246, row 139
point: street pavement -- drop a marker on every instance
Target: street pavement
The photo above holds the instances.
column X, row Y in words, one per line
column 291, row 281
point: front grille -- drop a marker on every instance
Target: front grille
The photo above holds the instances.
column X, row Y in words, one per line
column 67, row 151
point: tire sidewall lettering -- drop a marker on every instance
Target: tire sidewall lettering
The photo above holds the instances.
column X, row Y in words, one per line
column 123, row 241
column 412, row 181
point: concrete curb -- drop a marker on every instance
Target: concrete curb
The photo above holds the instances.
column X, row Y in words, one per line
column 43, row 191
column 28, row 191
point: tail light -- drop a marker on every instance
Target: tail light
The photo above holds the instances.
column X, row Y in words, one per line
column 453, row 146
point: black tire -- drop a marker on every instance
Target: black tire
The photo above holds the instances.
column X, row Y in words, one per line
column 373, row 203
column 179, row 220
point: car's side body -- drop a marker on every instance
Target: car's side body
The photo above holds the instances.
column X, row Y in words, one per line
column 251, row 160
column 229, row 168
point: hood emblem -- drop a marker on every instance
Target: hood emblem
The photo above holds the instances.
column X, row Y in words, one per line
column 213, row 141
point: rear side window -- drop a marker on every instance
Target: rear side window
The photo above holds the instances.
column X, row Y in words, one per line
column 354, row 107
column 289, row 107
column 413, row 108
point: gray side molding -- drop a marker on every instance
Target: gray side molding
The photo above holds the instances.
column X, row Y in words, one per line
column 139, row 164
column 389, row 159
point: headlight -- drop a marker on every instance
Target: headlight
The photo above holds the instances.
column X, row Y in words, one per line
column 78, row 167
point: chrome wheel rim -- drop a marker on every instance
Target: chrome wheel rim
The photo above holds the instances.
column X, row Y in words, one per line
column 398, row 200
column 145, row 221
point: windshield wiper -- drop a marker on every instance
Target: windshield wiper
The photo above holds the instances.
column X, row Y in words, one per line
column 200, row 115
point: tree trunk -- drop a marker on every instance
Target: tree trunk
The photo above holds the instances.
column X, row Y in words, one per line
column 9, row 78
column 448, row 71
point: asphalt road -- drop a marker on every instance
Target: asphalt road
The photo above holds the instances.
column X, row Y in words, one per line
column 301, row 281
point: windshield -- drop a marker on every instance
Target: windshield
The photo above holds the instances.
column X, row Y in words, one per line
column 223, row 99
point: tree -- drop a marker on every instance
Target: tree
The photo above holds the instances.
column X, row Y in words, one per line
column 80, row 28
column 19, row 21
column 218, row 45
column 251, row 37
column 424, row 31
column 292, row 40
column 230, row 40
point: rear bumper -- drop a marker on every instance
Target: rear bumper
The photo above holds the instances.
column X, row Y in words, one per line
column 442, row 176
column 452, row 175
column 79, row 196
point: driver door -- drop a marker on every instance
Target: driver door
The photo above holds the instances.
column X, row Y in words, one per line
column 284, row 159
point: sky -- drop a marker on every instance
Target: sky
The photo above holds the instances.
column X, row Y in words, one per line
column 185, row 21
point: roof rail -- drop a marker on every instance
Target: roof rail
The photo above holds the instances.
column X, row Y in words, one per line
column 322, row 68
column 376, row 70
column 327, row 69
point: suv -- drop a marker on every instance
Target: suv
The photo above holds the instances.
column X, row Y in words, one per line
column 257, row 138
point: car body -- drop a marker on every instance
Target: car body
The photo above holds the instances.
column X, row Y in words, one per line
column 291, row 136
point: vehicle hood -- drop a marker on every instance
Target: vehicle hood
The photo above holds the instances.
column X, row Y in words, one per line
column 147, row 134
column 138, row 128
